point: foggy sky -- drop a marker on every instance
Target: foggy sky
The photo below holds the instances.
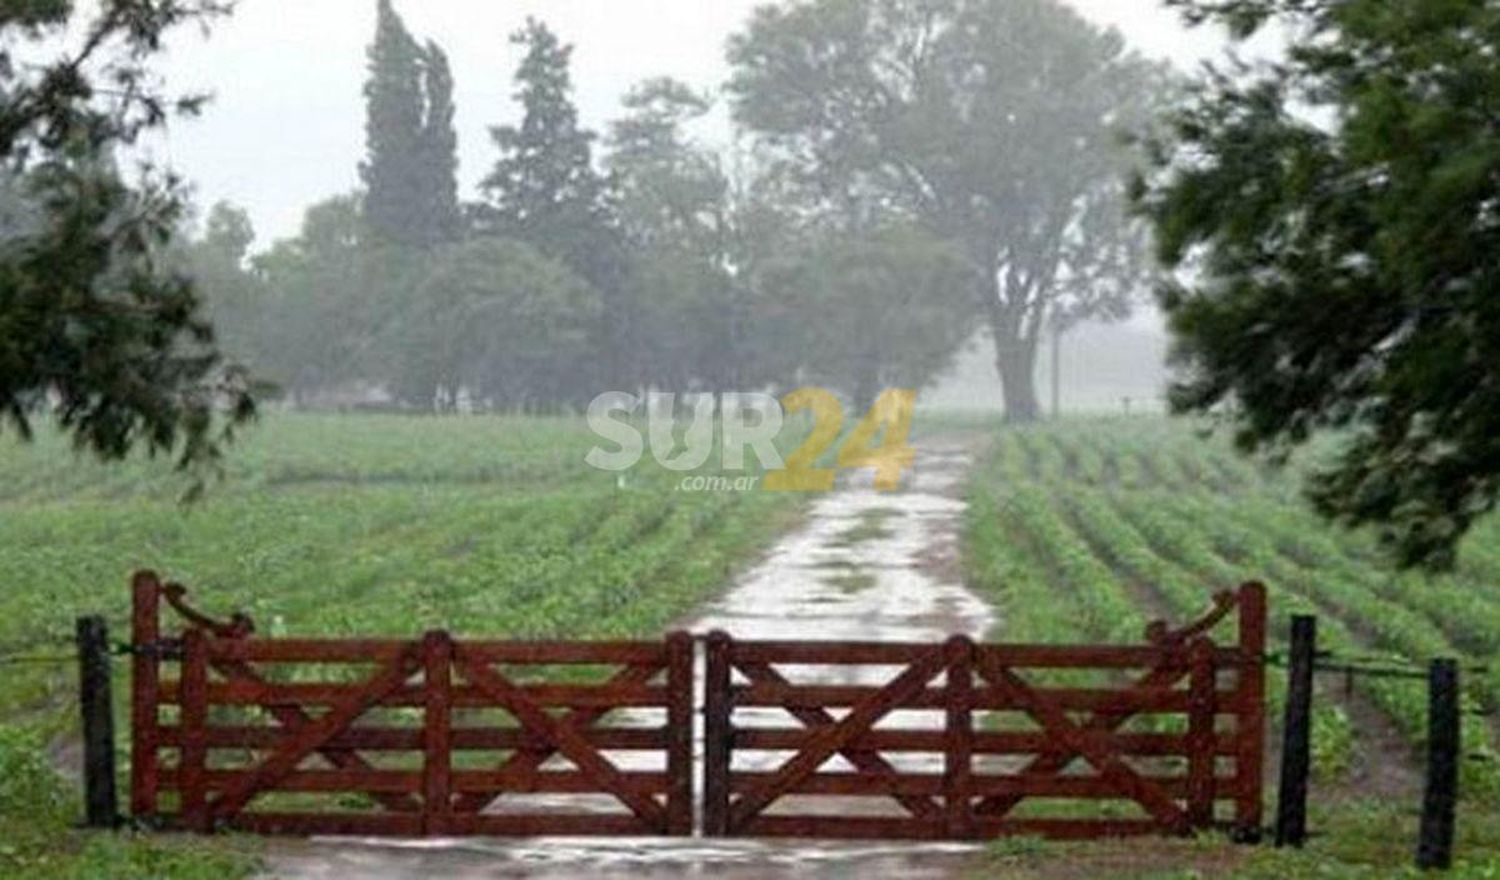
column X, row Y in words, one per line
column 286, row 127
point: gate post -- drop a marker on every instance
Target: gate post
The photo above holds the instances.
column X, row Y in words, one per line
column 1250, row 715
column 96, row 699
column 1296, row 750
column 680, row 734
column 145, row 670
column 437, row 733
column 1201, row 737
column 958, row 758
column 192, row 783
column 1435, row 850
column 717, row 748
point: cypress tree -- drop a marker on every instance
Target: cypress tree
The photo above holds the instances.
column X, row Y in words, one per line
column 410, row 172
column 393, row 132
column 440, row 148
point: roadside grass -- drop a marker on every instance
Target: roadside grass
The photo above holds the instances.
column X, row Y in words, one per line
column 1366, row 842
column 38, row 810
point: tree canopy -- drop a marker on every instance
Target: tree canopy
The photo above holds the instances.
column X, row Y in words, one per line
column 98, row 329
column 502, row 323
column 915, row 169
column 1336, row 220
column 997, row 123
column 883, row 309
column 546, row 191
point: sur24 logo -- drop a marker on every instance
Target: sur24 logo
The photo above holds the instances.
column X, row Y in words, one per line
column 752, row 422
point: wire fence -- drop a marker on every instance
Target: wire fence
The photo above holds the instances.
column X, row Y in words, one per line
column 119, row 651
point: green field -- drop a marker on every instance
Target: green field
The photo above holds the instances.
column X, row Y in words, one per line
column 367, row 525
column 341, row 526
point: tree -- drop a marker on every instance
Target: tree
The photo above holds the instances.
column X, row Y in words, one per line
column 97, row 330
column 995, row 122
column 410, row 171
column 545, row 191
column 393, row 129
column 1335, row 219
column 674, row 211
column 329, row 296
column 671, row 192
column 499, row 321
column 882, row 309
column 235, row 299
column 544, row 181
column 440, row 147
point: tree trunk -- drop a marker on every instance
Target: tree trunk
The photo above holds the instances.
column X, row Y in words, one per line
column 1008, row 302
column 1016, row 362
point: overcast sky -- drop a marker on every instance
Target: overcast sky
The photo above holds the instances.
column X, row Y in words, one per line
column 285, row 128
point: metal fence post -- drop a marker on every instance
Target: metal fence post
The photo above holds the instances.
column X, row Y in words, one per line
column 96, row 700
column 1435, row 848
column 1296, row 731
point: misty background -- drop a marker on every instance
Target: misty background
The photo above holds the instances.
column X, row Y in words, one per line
column 285, row 127
column 274, row 165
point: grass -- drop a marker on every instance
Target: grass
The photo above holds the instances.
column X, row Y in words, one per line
column 37, row 838
column 1371, row 842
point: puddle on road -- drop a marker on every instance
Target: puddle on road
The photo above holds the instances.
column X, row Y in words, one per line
column 864, row 566
column 902, row 546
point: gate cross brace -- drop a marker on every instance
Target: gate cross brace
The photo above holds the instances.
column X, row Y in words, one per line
column 312, row 737
column 864, row 760
column 1159, row 679
column 560, row 734
column 828, row 741
column 525, row 760
column 293, row 719
column 1120, row 775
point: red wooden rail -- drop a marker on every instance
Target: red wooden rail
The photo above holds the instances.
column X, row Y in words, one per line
column 439, row 736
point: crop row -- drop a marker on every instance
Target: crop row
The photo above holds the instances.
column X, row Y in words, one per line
column 1353, row 621
column 1118, row 516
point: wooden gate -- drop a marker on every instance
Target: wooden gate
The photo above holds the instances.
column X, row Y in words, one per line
column 931, row 741
column 403, row 738
column 985, row 737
